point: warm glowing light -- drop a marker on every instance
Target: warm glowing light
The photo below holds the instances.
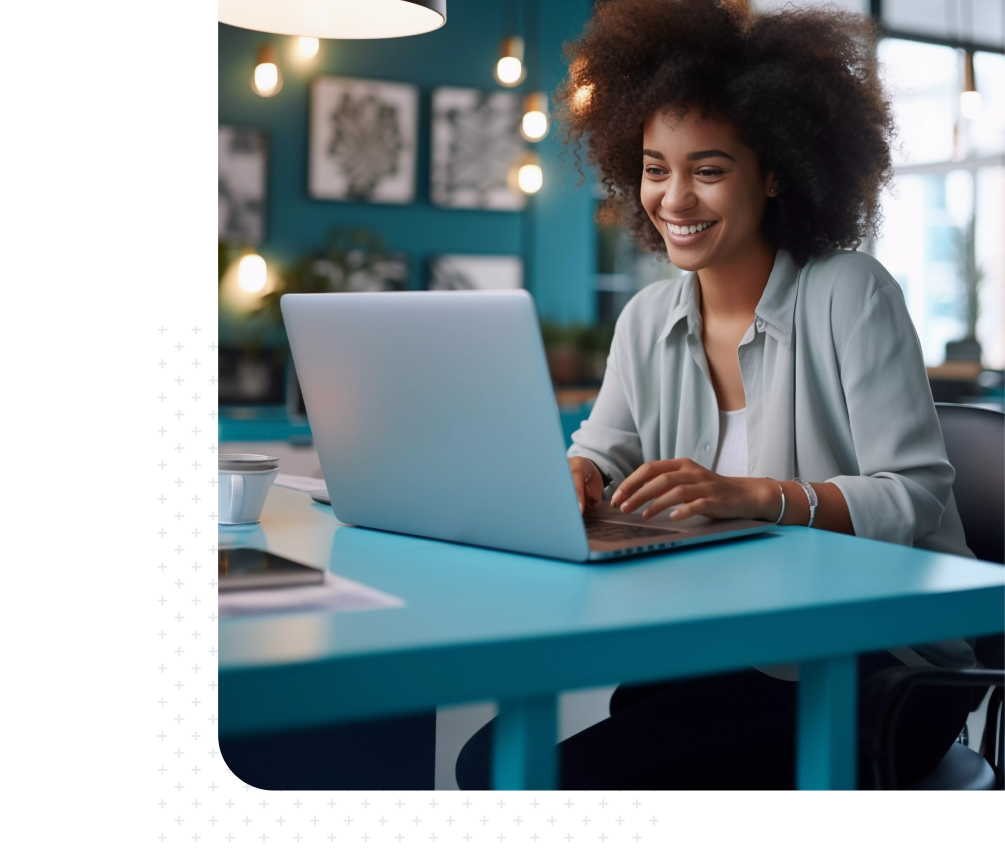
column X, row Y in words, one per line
column 252, row 273
column 530, row 178
column 971, row 104
column 581, row 98
column 266, row 78
column 307, row 46
column 509, row 70
column 335, row 19
column 534, row 126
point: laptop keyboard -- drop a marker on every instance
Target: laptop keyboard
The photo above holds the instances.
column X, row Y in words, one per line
column 615, row 531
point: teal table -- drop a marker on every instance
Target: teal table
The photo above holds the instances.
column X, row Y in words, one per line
column 482, row 625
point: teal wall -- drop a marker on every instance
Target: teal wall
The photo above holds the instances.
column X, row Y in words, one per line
column 555, row 234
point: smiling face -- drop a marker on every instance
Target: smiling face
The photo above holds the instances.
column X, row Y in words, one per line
column 703, row 189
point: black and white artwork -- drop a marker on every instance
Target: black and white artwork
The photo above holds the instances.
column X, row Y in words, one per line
column 362, row 140
column 475, row 272
column 243, row 161
column 476, row 145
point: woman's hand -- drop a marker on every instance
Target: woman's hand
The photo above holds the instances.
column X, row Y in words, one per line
column 700, row 492
column 589, row 485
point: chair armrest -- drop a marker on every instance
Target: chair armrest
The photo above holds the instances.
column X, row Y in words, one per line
column 886, row 691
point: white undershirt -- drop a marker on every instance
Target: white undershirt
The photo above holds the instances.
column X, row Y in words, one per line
column 731, row 457
column 731, row 461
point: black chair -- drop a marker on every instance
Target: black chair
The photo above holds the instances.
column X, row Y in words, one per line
column 975, row 445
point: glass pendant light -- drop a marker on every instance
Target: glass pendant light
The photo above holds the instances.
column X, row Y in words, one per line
column 336, row 19
column 534, row 126
column 510, row 69
column 267, row 80
column 971, row 103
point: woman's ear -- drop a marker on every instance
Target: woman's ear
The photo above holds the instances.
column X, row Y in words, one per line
column 771, row 187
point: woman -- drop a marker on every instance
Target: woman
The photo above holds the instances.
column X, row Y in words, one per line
column 780, row 378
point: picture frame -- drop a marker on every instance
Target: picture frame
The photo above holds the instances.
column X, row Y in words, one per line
column 362, row 140
column 243, row 184
column 475, row 273
column 476, row 144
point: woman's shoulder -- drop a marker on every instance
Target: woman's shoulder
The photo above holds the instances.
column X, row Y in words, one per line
column 855, row 277
column 842, row 286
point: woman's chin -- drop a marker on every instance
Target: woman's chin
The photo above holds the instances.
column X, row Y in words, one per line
column 687, row 259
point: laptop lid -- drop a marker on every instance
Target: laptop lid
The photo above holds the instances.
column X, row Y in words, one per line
column 433, row 414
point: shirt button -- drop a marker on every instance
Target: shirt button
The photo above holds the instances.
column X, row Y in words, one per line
column 707, row 448
column 759, row 324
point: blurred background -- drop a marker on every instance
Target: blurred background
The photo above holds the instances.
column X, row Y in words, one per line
column 431, row 163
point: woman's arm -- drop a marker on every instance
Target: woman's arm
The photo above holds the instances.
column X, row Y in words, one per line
column 701, row 492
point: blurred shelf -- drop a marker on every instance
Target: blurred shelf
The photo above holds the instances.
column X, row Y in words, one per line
column 263, row 423
column 574, row 398
column 624, row 282
column 955, row 371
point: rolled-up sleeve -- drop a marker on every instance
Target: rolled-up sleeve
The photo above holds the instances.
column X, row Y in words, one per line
column 904, row 476
column 609, row 437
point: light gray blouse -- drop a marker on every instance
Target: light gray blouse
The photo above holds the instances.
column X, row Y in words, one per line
column 835, row 385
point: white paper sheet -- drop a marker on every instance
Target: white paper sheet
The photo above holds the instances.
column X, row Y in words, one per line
column 301, row 484
column 337, row 594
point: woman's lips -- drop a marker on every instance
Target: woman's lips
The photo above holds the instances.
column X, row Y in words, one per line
column 689, row 239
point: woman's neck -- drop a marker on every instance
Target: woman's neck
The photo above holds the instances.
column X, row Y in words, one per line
column 734, row 288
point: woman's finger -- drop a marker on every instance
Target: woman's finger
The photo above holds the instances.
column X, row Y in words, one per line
column 656, row 487
column 698, row 507
column 577, row 481
column 642, row 475
column 680, row 494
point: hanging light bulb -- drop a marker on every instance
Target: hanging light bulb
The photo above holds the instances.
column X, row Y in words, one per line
column 534, row 125
column 335, row 19
column 252, row 273
column 971, row 103
column 307, row 46
column 510, row 70
column 267, row 80
column 526, row 174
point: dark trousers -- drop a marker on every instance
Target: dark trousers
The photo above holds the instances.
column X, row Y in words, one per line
column 730, row 731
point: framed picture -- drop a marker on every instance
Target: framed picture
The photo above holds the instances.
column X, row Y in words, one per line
column 243, row 167
column 252, row 377
column 475, row 272
column 476, row 142
column 362, row 140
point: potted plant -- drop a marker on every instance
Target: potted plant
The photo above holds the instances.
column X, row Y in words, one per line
column 967, row 349
column 562, row 353
column 353, row 259
column 594, row 343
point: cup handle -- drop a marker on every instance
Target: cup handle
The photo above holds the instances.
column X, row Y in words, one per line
column 236, row 496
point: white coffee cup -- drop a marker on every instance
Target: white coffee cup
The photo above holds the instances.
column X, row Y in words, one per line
column 245, row 480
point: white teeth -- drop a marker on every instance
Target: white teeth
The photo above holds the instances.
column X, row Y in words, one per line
column 688, row 229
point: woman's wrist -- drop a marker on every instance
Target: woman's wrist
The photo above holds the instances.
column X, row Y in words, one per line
column 765, row 499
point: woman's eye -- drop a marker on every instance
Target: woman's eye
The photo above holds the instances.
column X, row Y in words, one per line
column 709, row 172
column 655, row 170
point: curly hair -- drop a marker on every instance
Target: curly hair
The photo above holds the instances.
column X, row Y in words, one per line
column 800, row 87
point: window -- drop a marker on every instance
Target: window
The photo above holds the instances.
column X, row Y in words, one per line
column 946, row 210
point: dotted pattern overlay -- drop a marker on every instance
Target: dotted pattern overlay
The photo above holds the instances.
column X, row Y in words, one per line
column 200, row 805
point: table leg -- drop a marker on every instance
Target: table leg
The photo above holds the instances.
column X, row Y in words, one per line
column 523, row 748
column 827, row 745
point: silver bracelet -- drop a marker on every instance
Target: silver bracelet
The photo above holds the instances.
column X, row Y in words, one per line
column 778, row 521
column 811, row 495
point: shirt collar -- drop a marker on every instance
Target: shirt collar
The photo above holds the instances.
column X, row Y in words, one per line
column 776, row 306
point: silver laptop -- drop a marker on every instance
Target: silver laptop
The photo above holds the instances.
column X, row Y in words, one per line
column 433, row 414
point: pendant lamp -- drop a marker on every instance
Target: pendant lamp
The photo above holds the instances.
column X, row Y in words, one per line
column 336, row 19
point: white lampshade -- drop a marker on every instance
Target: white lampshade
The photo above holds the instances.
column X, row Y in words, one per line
column 336, row 19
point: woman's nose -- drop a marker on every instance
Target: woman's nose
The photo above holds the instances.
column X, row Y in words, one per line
column 678, row 195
